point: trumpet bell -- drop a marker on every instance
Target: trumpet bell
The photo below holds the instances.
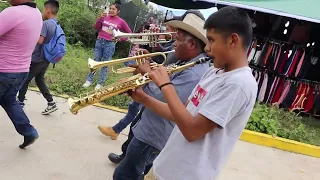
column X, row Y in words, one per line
column 147, row 37
column 72, row 104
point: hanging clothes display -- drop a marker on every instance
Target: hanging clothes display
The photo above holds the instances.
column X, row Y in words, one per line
column 296, row 95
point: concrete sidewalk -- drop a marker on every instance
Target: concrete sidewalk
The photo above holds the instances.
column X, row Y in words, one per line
column 70, row 147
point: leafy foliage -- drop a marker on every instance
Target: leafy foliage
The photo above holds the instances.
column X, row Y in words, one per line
column 277, row 122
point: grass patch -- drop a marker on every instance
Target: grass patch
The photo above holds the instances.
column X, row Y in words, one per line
column 68, row 76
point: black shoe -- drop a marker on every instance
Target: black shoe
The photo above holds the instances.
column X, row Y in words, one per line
column 28, row 141
column 51, row 108
column 115, row 158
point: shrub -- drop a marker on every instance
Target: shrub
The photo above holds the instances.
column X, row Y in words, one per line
column 278, row 122
column 264, row 120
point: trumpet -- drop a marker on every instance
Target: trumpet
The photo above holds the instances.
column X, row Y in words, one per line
column 148, row 37
column 128, row 84
column 139, row 60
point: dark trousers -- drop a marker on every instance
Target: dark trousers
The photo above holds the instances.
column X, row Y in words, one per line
column 137, row 157
column 10, row 84
column 125, row 145
column 37, row 71
column 130, row 116
column 137, row 161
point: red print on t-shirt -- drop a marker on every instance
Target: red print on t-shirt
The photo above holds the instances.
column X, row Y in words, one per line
column 198, row 95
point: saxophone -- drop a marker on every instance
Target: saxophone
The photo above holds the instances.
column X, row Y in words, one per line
column 130, row 83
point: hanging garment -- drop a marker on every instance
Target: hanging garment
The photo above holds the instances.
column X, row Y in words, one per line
column 269, row 50
column 260, row 83
column 277, row 58
column 314, row 69
column 271, row 79
column 299, row 97
column 263, row 54
column 300, row 64
column 289, row 62
column 273, row 89
column 283, row 61
column 285, row 91
column 316, row 103
column 306, row 64
column 252, row 49
column 263, row 88
column 278, row 91
column 294, row 63
column 310, row 99
column 272, row 57
column 290, row 95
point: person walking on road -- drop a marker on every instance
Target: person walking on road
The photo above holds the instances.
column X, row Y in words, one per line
column 39, row 64
column 19, row 32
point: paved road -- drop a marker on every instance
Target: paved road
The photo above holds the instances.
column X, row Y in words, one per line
column 71, row 148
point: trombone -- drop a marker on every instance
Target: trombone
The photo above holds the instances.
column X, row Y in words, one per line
column 147, row 37
column 139, row 60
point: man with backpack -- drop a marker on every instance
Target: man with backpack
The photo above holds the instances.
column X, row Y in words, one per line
column 49, row 49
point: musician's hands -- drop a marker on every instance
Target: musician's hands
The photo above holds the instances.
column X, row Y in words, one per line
column 138, row 95
column 159, row 75
column 144, row 68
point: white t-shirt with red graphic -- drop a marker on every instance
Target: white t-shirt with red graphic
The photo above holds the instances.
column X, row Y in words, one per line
column 227, row 99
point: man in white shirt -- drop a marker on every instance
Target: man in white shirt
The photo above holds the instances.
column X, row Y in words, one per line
column 218, row 108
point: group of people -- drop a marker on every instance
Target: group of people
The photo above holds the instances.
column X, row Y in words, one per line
column 184, row 125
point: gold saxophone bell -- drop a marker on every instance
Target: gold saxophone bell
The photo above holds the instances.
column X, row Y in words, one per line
column 139, row 60
column 130, row 83
column 148, row 37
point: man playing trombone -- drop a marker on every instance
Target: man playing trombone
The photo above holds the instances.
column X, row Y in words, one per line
column 134, row 107
column 152, row 131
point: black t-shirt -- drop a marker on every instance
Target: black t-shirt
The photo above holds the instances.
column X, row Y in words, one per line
column 314, row 67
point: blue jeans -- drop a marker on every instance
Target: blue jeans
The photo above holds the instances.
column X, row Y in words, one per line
column 10, row 84
column 103, row 51
column 137, row 161
column 133, row 110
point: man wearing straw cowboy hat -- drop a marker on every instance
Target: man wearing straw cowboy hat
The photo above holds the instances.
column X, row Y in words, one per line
column 217, row 111
column 152, row 131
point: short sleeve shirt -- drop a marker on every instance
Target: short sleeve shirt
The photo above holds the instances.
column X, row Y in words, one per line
column 47, row 31
column 154, row 129
column 227, row 99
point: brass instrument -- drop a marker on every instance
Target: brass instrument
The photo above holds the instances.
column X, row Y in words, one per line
column 139, row 60
column 148, row 37
column 130, row 83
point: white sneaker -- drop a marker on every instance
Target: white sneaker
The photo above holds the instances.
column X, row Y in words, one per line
column 87, row 84
column 98, row 86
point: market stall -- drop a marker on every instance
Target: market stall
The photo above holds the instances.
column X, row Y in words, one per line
column 284, row 54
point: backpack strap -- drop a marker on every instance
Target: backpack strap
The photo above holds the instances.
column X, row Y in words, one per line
column 56, row 23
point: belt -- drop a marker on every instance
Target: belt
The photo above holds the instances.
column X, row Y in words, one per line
column 104, row 39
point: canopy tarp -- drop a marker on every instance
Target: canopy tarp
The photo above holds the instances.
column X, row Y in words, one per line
column 183, row 4
column 300, row 9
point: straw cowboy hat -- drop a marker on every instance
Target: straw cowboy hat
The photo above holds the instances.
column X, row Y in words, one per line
column 191, row 21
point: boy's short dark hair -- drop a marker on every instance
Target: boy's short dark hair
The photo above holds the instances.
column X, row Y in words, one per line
column 229, row 20
column 53, row 5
